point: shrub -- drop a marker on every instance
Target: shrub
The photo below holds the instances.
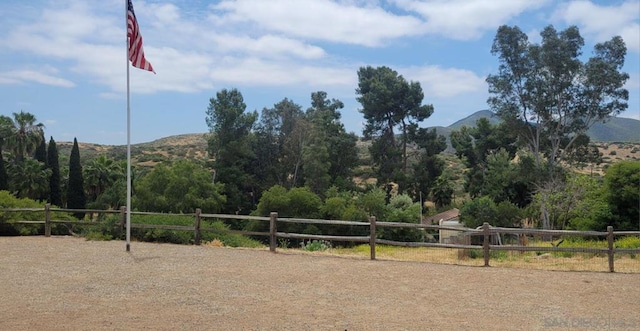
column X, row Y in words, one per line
column 315, row 245
column 7, row 219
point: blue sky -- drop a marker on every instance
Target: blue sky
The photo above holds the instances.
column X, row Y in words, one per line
column 65, row 60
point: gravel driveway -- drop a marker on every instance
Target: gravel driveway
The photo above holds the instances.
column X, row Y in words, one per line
column 64, row 283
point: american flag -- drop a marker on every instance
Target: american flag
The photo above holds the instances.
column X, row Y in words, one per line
column 136, row 52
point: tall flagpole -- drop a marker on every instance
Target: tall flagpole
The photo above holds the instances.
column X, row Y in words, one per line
column 128, row 211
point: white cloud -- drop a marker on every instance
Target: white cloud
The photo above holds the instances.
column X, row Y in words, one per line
column 441, row 82
column 466, row 19
column 204, row 52
column 604, row 22
column 325, row 20
column 36, row 76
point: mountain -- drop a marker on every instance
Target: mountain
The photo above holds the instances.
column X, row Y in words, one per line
column 616, row 129
column 473, row 118
column 194, row 146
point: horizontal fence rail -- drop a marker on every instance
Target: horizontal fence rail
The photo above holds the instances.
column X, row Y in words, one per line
column 485, row 233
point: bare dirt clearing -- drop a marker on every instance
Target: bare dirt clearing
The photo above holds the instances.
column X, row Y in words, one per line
column 64, row 283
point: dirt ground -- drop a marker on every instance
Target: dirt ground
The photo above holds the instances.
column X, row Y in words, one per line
column 64, row 283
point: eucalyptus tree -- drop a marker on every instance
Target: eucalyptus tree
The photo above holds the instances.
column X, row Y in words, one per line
column 551, row 96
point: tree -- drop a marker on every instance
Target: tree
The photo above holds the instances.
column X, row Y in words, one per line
column 622, row 180
column 546, row 93
column 331, row 155
column 429, row 166
column 76, row 198
column 4, row 177
column 179, row 188
column 40, row 155
column 230, row 146
column 443, row 190
column 477, row 211
column 474, row 145
column 41, row 151
column 100, row 174
column 29, row 179
column 55, row 192
column 389, row 102
column 23, row 135
column 581, row 204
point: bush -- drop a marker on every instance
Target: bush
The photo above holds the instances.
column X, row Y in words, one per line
column 7, row 219
column 315, row 245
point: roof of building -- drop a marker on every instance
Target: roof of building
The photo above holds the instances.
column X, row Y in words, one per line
column 445, row 216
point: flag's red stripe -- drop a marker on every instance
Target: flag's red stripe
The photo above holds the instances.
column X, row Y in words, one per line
column 136, row 51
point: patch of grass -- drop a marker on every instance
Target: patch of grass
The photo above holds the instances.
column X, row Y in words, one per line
column 97, row 236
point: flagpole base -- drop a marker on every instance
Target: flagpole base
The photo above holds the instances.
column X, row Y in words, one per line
column 128, row 247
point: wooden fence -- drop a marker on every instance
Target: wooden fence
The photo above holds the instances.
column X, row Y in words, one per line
column 485, row 232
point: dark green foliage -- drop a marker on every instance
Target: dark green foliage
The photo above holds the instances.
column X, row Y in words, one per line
column 4, row 177
column 476, row 146
column 331, row 155
column 623, row 183
column 442, row 191
column 429, row 166
column 41, row 151
column 180, row 188
column 9, row 228
column 230, row 146
column 29, row 179
column 76, row 198
column 550, row 97
column 477, row 211
column 390, row 103
column 100, row 174
column 55, row 192
column 21, row 135
column 402, row 209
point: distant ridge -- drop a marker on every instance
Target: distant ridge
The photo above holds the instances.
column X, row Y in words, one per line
column 616, row 129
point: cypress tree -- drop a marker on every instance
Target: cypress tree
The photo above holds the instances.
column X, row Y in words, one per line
column 76, row 198
column 41, row 156
column 41, row 151
column 55, row 193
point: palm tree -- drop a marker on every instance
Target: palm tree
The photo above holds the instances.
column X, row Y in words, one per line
column 99, row 174
column 30, row 179
column 21, row 134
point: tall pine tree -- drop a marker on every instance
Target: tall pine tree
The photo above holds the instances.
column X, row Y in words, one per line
column 55, row 193
column 76, row 198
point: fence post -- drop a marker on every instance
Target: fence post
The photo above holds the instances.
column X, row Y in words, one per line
column 372, row 236
column 196, row 228
column 47, row 220
column 610, row 242
column 485, row 243
column 123, row 219
column 273, row 218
